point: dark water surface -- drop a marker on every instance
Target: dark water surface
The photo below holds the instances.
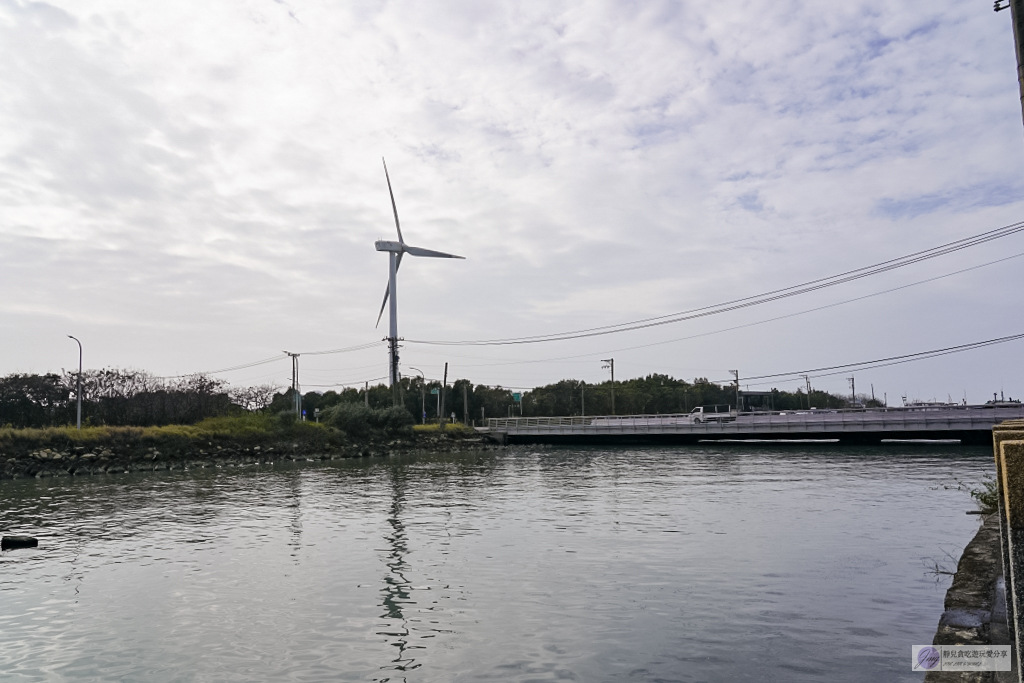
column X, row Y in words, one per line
column 701, row 563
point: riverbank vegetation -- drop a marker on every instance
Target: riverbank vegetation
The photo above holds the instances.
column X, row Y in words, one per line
column 339, row 425
column 233, row 440
column 986, row 495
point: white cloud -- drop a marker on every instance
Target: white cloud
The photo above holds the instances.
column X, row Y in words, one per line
column 190, row 185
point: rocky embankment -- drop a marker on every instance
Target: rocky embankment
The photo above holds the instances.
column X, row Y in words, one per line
column 975, row 606
column 126, row 455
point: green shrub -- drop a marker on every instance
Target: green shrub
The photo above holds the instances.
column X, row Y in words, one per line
column 354, row 419
column 286, row 419
column 241, row 424
column 987, row 496
column 358, row 421
column 396, row 420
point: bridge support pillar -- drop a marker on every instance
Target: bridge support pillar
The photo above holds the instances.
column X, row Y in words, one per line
column 500, row 438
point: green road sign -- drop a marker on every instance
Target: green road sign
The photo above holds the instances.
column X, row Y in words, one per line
column 517, row 397
column 435, row 391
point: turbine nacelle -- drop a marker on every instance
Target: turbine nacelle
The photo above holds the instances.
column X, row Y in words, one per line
column 386, row 245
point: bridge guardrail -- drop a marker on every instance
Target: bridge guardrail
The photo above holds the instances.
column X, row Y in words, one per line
column 898, row 419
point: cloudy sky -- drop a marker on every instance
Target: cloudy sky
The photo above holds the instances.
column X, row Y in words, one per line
column 191, row 186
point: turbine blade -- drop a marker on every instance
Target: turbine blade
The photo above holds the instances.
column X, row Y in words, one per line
column 387, row 291
column 417, row 251
column 393, row 207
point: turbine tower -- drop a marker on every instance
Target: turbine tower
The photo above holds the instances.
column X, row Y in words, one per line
column 395, row 252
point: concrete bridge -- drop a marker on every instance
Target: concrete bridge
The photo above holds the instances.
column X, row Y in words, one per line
column 971, row 424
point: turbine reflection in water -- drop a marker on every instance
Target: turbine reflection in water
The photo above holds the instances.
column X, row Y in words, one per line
column 397, row 590
column 295, row 515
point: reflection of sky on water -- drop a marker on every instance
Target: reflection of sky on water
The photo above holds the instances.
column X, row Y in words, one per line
column 528, row 565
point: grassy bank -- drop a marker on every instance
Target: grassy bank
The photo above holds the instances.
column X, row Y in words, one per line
column 246, row 438
column 253, row 428
column 457, row 428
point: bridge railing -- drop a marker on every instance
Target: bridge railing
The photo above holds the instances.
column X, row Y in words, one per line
column 855, row 417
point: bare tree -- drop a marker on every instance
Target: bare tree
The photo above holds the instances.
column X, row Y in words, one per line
column 253, row 398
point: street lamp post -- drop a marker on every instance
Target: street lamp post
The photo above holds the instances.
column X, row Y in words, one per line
column 610, row 363
column 78, row 383
column 423, row 394
column 736, row 374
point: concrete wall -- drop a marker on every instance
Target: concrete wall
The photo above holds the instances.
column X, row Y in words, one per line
column 1008, row 444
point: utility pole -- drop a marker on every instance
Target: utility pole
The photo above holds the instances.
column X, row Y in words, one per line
column 736, row 375
column 297, row 398
column 366, row 394
column 807, row 380
column 583, row 405
column 440, row 398
column 78, row 382
column 393, row 371
column 853, row 392
column 610, row 363
column 1016, row 8
column 465, row 404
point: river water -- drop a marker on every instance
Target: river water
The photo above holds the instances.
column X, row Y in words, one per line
column 718, row 562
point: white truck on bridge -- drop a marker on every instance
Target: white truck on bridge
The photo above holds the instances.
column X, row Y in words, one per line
column 718, row 413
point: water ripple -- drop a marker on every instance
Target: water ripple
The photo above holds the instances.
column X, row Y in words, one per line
column 717, row 563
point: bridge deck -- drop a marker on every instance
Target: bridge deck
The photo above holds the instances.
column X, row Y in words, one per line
column 967, row 423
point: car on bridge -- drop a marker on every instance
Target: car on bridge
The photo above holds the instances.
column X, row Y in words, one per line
column 717, row 413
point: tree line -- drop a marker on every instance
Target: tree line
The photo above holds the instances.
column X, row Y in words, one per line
column 121, row 397
column 663, row 394
column 653, row 394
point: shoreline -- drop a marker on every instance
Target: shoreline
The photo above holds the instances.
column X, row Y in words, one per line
column 975, row 605
column 144, row 454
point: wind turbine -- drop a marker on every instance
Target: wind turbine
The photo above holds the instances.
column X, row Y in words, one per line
column 395, row 252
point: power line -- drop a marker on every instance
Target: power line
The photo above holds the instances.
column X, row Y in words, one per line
column 347, row 349
column 232, row 368
column 755, row 300
column 705, row 311
column 595, row 354
column 345, row 384
column 272, row 359
column 884, row 362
